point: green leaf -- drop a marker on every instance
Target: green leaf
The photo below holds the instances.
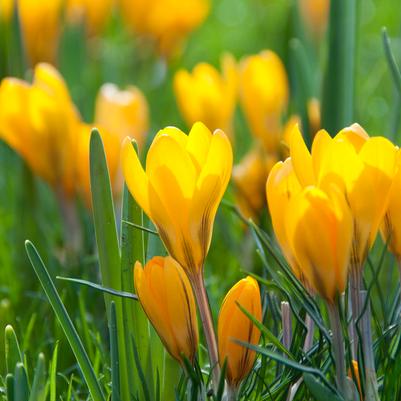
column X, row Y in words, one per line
column 115, row 378
column 38, row 392
column 13, row 352
column 21, row 387
column 10, row 387
column 65, row 322
column 338, row 91
column 107, row 245
column 319, row 391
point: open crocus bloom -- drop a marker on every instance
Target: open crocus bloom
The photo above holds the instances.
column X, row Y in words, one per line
column 234, row 326
column 362, row 167
column 167, row 299
column 181, row 188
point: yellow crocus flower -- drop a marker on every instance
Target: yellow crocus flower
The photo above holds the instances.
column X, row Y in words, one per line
column 40, row 121
column 208, row 96
column 181, row 188
column 362, row 167
column 94, row 13
column 166, row 22
column 319, row 229
column 263, row 86
column 234, row 325
column 124, row 112
column 249, row 179
column 40, row 26
column 167, row 299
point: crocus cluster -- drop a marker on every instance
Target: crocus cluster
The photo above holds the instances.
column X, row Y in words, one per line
column 180, row 190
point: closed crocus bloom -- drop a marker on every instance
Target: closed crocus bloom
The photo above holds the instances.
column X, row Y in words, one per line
column 112, row 145
column 263, row 86
column 314, row 117
column 249, row 178
column 234, row 325
column 319, row 229
column 315, row 14
column 362, row 167
column 40, row 122
column 124, row 112
column 282, row 185
column 208, row 96
column 181, row 188
column 94, row 13
column 166, row 22
column 167, row 299
column 40, row 25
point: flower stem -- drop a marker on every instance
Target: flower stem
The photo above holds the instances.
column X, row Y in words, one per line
column 208, row 328
column 338, row 346
column 356, row 304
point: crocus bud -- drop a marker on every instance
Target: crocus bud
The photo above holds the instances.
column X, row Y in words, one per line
column 124, row 112
column 234, row 325
column 249, row 178
column 207, row 95
column 40, row 26
column 263, row 86
column 319, row 229
column 165, row 22
column 181, row 188
column 167, row 299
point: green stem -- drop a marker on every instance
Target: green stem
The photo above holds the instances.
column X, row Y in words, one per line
column 356, row 305
column 232, row 393
column 338, row 346
column 371, row 391
column 202, row 300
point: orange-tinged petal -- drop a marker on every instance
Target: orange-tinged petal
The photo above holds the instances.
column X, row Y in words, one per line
column 234, row 325
column 166, row 296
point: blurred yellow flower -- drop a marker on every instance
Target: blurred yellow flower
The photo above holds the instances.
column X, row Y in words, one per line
column 40, row 26
column 319, row 230
column 234, row 325
column 6, row 9
column 315, row 14
column 249, row 178
column 124, row 112
column 184, row 181
column 208, row 96
column 314, row 116
column 93, row 13
column 263, row 87
column 167, row 299
column 363, row 169
column 112, row 145
column 40, row 122
column 166, row 22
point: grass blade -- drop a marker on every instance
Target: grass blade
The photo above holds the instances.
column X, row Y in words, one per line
column 115, row 378
column 13, row 352
column 65, row 322
column 38, row 392
column 21, row 387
